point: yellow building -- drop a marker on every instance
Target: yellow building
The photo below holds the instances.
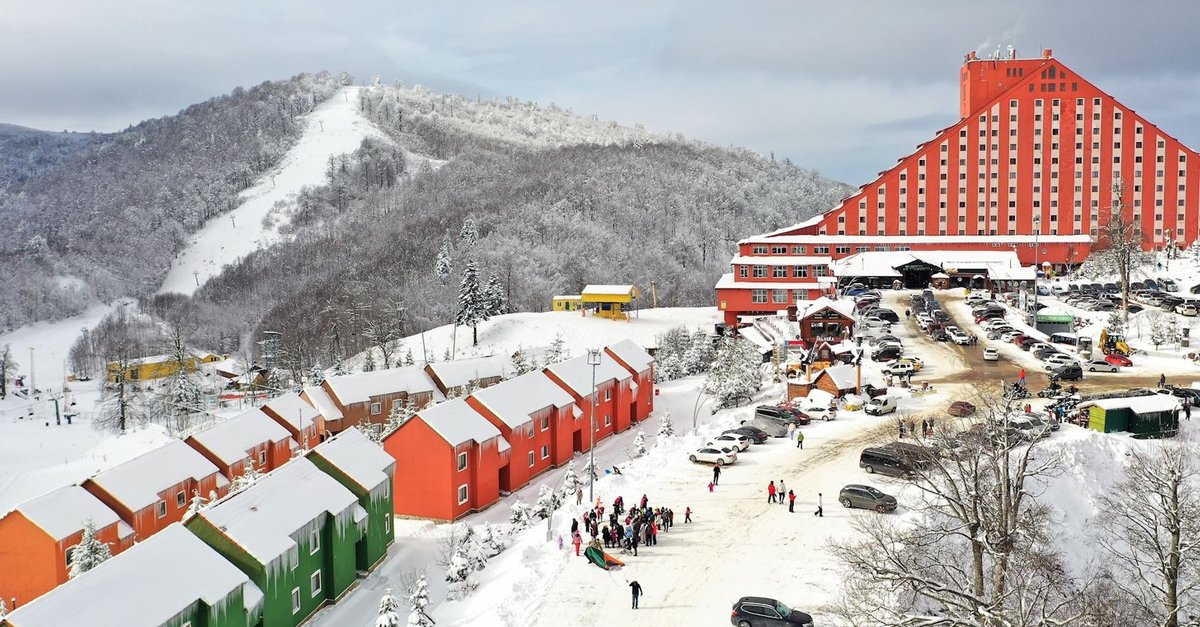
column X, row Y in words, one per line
column 609, row 301
column 569, row 302
column 155, row 367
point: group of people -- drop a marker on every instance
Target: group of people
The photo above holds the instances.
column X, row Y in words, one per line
column 909, row 428
column 777, row 494
column 640, row 526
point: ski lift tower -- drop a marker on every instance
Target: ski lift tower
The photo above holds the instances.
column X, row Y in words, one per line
column 269, row 347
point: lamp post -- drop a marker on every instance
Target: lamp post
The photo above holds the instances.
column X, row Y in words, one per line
column 593, row 360
column 1037, row 230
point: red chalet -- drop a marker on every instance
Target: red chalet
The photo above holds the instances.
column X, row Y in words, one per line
column 1036, row 163
column 640, row 364
column 249, row 439
column 369, row 397
column 536, row 417
column 610, row 399
column 448, row 461
column 300, row 417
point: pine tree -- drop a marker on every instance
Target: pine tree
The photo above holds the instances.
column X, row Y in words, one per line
column 497, row 302
column 520, row 365
column 444, row 266
column 699, row 354
column 399, row 415
column 418, row 601
column 245, row 480
column 521, row 516
column 669, row 367
column 339, row 369
column 493, row 543
column 469, row 235
column 197, row 503
column 389, row 611
column 457, row 572
column 589, row 471
column 570, row 482
column 547, row 502
column 735, row 374
column 472, row 306
column 558, row 351
column 1158, row 330
column 369, row 361
column 1172, row 334
column 408, row 358
column 373, row 432
column 3, row 609
column 316, row 375
column 665, row 428
column 476, row 553
column 639, row 444
column 89, row 553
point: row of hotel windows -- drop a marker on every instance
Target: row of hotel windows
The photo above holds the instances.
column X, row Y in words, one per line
column 781, row 272
column 779, row 297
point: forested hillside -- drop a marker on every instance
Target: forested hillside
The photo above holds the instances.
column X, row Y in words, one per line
column 558, row 201
column 104, row 218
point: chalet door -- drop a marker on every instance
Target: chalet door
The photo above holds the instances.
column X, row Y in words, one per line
column 577, row 441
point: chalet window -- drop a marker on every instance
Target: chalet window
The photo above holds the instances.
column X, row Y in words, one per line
column 314, row 583
column 295, row 600
column 462, row 461
column 607, row 421
column 743, row 271
column 760, row 272
column 376, row 408
column 758, row 296
column 760, row 249
column 462, row 494
column 529, row 431
column 779, row 250
column 162, row 509
column 545, row 423
column 314, row 541
column 262, row 457
column 800, row 250
column 180, row 499
column 545, row 451
column 531, row 459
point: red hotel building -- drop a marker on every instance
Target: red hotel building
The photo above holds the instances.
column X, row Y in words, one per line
column 1034, row 158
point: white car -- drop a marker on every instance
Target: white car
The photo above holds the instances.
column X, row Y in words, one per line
column 991, row 354
column 1040, row 345
column 899, row 368
column 875, row 322
column 1011, row 335
column 1058, row 359
column 821, row 412
column 741, row 442
column 1100, row 365
column 713, row 455
column 959, row 337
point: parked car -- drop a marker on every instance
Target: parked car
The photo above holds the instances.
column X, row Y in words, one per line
column 991, row 354
column 895, row 460
column 1186, row 309
column 888, row 314
column 765, row 612
column 940, row 335
column 1059, row 359
column 758, row 436
column 899, row 368
column 960, row 409
column 820, row 412
column 1045, row 352
column 866, row 497
column 959, row 337
column 916, row 362
column 1118, row 359
column 731, row 439
column 713, row 455
column 783, row 414
column 887, row 353
column 880, row 405
column 773, row 428
column 1068, row 372
column 1101, row 365
column 1010, row 336
column 1028, row 428
column 1026, row 342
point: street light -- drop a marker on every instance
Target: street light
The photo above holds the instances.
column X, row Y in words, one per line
column 593, row 360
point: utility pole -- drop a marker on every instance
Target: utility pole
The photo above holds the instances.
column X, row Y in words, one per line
column 593, row 360
column 32, row 380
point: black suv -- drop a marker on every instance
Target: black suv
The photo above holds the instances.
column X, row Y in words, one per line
column 764, row 612
column 894, row 460
column 1067, row 372
column 782, row 414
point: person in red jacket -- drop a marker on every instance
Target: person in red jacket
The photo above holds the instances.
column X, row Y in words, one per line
column 771, row 492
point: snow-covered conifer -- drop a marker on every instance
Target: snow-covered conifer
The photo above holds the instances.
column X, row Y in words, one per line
column 521, row 516
column 197, row 503
column 699, row 354
column 589, row 471
column 339, row 368
column 493, row 542
column 547, row 502
column 444, row 265
column 558, row 351
column 316, row 375
column 639, row 444
column 408, row 358
column 418, row 601
column 389, row 611
column 570, row 482
column 369, row 360
column 89, row 553
column 469, row 235
column 665, row 428
column 497, row 302
column 245, row 480
column 457, row 573
column 472, row 306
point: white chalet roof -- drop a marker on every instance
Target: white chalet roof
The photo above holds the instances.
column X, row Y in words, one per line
column 843, row 376
column 232, row 440
column 513, row 401
column 295, row 410
column 577, row 374
column 360, row 387
column 842, row 307
column 137, row 482
column 460, row 372
column 148, row 584
column 633, row 355
column 363, row 461
column 728, row 282
column 323, row 404
column 64, row 511
column 457, row 422
column 1141, row 404
column 607, row 289
column 781, row 260
column 261, row 518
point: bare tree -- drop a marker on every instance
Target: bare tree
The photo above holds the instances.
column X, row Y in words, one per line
column 1120, row 244
column 978, row 552
column 1152, row 534
column 120, row 397
column 8, row 366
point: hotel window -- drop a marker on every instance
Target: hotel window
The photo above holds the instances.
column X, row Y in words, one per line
column 462, row 461
column 758, row 296
column 531, row 459
column 822, row 270
column 759, row 249
column 800, row 272
column 779, row 296
column 760, row 272
column 821, row 250
column 799, row 250
column 843, row 250
column 462, row 494
column 743, row 272
column 779, row 250
column 779, row 272
column 162, row 509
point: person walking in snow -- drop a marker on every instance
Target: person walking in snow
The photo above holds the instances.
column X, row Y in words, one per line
column 799, row 439
column 636, row 589
column 710, row 486
column 653, row 533
column 782, row 490
column 771, row 492
column 820, row 506
column 791, row 502
column 579, row 496
column 716, row 476
column 1162, row 380
column 576, row 540
column 687, row 515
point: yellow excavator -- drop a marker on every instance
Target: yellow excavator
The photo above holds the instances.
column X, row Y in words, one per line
column 1113, row 343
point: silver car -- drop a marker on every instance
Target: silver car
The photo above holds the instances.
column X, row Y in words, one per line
column 1100, row 365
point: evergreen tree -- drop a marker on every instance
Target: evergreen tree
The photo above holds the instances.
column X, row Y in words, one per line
column 668, row 367
column 570, row 482
column 558, row 351
column 521, row 516
column 457, row 572
column 493, row 543
column 1116, row 324
column 639, row 444
column 197, row 503
column 245, row 480
column 369, row 361
column 444, row 266
column 520, row 365
column 469, row 235
column 418, row 601
column 408, row 358
column 446, row 354
column 497, row 302
column 699, row 354
column 1158, row 330
column 1172, row 334
column 472, row 305
column 547, row 502
column 399, row 415
column 389, row 611
column 3, row 609
column 665, row 428
column 735, row 374
column 89, row 553
column 589, row 471
column 316, row 375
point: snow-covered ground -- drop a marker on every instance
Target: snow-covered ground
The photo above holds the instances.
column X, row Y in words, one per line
column 333, row 128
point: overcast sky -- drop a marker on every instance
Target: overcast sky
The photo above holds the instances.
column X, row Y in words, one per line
column 842, row 86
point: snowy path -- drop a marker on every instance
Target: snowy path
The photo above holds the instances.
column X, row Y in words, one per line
column 334, row 128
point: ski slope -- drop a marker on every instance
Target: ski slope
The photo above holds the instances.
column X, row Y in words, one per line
column 333, row 128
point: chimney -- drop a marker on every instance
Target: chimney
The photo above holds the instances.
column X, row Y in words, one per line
column 1047, row 53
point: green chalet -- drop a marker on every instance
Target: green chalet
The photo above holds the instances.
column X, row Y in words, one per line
column 170, row 579
column 294, row 533
column 365, row 469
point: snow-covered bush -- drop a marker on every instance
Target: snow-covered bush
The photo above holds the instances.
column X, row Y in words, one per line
column 521, row 517
column 639, row 444
column 492, row 541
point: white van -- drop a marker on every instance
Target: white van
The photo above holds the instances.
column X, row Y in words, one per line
column 880, row 405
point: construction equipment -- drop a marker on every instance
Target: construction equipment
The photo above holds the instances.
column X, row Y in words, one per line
column 1113, row 343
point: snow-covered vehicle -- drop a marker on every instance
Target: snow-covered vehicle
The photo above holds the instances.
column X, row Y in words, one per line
column 712, row 455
